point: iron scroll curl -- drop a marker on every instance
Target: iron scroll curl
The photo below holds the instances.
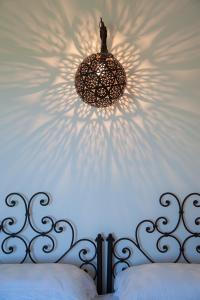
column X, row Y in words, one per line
column 46, row 232
column 166, row 229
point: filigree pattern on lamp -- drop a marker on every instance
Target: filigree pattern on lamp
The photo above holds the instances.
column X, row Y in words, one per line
column 100, row 80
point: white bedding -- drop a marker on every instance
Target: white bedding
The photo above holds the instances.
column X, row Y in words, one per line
column 45, row 281
column 159, row 282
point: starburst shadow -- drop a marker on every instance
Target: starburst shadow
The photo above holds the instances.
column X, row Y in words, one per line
column 146, row 136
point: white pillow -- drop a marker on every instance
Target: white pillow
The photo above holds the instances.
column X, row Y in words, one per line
column 45, row 281
column 166, row 281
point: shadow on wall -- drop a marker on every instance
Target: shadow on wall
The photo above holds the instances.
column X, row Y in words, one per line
column 149, row 136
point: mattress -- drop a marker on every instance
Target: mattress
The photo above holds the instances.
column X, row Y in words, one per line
column 107, row 297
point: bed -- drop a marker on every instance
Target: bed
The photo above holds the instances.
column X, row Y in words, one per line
column 34, row 264
column 170, row 268
column 172, row 271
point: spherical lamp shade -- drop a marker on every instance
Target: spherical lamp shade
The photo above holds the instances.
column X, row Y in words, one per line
column 100, row 79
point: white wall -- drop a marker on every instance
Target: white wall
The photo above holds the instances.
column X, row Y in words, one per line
column 104, row 169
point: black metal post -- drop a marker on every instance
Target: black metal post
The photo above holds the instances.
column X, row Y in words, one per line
column 99, row 240
column 110, row 240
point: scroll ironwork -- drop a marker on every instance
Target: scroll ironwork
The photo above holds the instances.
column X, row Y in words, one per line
column 167, row 231
column 88, row 250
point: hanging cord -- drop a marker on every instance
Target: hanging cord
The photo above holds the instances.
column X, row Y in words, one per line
column 103, row 36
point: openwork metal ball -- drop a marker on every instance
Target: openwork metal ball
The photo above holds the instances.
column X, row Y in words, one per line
column 100, row 79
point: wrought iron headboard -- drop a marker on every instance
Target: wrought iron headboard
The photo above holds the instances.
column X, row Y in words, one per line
column 121, row 256
column 89, row 254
